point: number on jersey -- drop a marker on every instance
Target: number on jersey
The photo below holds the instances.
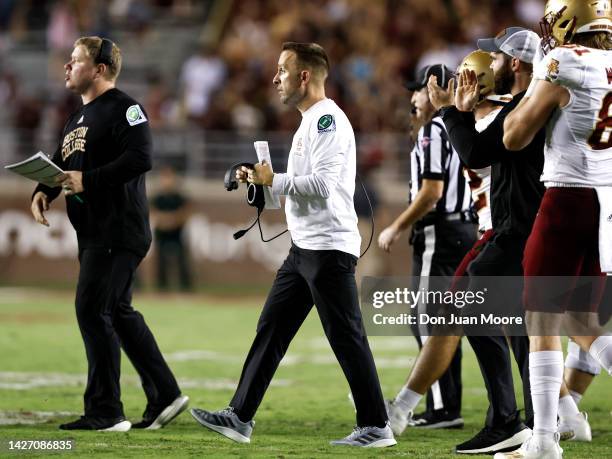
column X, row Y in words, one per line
column 601, row 138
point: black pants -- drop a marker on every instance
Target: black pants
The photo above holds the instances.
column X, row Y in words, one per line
column 171, row 258
column 327, row 279
column 107, row 322
column 501, row 256
column 437, row 251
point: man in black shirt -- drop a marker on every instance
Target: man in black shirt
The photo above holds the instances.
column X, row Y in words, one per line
column 515, row 197
column 106, row 150
column 170, row 212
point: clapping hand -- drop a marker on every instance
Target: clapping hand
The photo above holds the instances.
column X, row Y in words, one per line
column 438, row 96
column 468, row 91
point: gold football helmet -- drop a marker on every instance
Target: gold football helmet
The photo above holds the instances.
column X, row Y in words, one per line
column 565, row 18
column 480, row 63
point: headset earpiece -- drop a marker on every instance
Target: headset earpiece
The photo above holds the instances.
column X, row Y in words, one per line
column 105, row 55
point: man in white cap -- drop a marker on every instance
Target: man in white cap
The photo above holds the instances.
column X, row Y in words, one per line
column 515, row 196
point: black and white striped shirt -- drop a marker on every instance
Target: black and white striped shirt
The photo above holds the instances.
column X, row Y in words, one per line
column 433, row 157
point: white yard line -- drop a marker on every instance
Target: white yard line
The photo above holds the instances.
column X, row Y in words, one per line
column 298, row 358
column 12, row 380
column 200, row 354
column 377, row 343
column 8, row 418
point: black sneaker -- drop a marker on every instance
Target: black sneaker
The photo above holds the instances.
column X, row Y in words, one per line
column 417, row 417
column 437, row 419
column 496, row 440
column 158, row 418
column 100, row 424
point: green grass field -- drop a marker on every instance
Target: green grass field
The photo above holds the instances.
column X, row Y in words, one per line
column 205, row 339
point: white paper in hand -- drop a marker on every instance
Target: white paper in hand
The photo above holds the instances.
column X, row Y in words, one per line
column 38, row 168
column 263, row 154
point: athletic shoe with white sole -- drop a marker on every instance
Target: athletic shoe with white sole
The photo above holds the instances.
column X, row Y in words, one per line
column 575, row 428
column 100, row 424
column 532, row 449
column 495, row 440
column 156, row 419
column 398, row 419
column 438, row 419
column 226, row 423
column 368, row 437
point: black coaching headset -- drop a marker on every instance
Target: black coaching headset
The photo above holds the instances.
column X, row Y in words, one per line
column 256, row 198
column 105, row 55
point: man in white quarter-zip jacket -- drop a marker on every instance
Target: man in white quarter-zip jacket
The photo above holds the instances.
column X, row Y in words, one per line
column 320, row 268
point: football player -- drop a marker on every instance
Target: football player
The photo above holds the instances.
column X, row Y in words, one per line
column 572, row 96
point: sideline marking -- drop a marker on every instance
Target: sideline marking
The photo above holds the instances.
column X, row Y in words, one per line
column 13, row 380
column 8, row 418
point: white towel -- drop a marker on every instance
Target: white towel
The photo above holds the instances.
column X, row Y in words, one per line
column 604, row 194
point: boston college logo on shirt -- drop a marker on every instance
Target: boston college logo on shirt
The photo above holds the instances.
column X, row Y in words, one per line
column 74, row 141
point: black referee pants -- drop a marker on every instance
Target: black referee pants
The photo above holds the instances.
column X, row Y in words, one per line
column 327, row 279
column 107, row 322
column 501, row 256
column 437, row 251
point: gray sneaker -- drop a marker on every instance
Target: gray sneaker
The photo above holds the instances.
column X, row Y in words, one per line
column 226, row 423
column 368, row 437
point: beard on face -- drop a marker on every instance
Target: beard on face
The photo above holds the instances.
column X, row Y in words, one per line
column 504, row 79
column 293, row 96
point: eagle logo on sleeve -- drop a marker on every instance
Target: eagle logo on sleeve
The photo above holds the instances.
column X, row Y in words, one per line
column 552, row 71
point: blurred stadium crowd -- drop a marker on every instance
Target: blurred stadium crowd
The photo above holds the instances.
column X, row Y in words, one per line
column 206, row 66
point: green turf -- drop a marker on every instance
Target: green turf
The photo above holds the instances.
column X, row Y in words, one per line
column 38, row 334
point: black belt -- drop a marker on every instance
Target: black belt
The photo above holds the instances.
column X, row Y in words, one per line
column 465, row 216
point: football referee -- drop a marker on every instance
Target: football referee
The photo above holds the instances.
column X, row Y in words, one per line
column 320, row 269
column 105, row 151
column 443, row 230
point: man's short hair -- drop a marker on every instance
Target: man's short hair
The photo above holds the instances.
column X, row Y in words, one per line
column 93, row 45
column 309, row 55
